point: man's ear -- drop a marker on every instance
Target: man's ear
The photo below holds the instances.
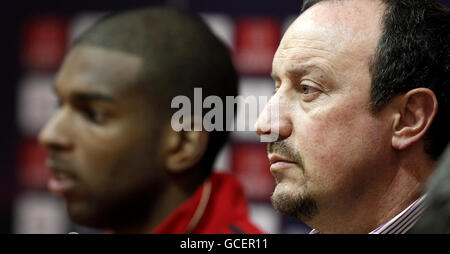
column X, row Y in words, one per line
column 184, row 149
column 416, row 111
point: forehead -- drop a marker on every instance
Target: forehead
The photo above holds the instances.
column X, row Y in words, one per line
column 92, row 67
column 333, row 31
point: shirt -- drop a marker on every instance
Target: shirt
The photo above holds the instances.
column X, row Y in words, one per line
column 404, row 221
column 217, row 207
column 401, row 223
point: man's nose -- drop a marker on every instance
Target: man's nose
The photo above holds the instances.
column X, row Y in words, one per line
column 56, row 133
column 274, row 123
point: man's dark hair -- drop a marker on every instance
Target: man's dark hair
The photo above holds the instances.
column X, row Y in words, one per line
column 413, row 51
column 179, row 52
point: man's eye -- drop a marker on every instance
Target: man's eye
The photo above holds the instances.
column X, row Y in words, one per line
column 305, row 89
column 95, row 115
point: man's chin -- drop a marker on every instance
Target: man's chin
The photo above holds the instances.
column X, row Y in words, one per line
column 108, row 213
column 284, row 202
column 84, row 215
column 293, row 204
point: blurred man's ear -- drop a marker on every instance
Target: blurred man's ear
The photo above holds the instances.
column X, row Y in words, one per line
column 185, row 148
column 414, row 115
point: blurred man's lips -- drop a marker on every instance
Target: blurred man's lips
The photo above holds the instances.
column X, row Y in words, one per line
column 61, row 186
column 278, row 162
column 62, row 181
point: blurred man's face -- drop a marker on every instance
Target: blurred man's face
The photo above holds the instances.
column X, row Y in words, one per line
column 101, row 140
column 330, row 145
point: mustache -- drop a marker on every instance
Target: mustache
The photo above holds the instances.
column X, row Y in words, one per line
column 56, row 163
column 283, row 148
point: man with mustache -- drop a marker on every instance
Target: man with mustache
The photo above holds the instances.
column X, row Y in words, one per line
column 362, row 95
column 115, row 157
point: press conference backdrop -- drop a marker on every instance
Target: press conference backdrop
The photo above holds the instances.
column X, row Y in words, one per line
column 36, row 37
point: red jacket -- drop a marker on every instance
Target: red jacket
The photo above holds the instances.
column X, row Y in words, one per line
column 217, row 207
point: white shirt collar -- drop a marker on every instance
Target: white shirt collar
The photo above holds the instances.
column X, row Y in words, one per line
column 401, row 223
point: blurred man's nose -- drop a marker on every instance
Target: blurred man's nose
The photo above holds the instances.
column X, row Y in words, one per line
column 273, row 123
column 56, row 133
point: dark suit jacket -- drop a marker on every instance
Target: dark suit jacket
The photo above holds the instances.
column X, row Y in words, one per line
column 436, row 217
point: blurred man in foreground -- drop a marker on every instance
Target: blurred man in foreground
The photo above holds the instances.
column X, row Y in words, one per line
column 115, row 157
column 436, row 217
column 362, row 88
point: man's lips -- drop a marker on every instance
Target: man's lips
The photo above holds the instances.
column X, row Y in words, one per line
column 278, row 162
column 62, row 180
column 61, row 187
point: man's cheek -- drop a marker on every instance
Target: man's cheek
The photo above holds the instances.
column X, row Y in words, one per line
column 324, row 145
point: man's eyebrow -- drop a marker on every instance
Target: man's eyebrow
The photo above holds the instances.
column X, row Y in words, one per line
column 293, row 72
column 302, row 71
column 299, row 71
column 91, row 96
column 86, row 96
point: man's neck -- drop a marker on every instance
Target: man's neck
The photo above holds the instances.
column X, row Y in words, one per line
column 378, row 204
column 164, row 205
